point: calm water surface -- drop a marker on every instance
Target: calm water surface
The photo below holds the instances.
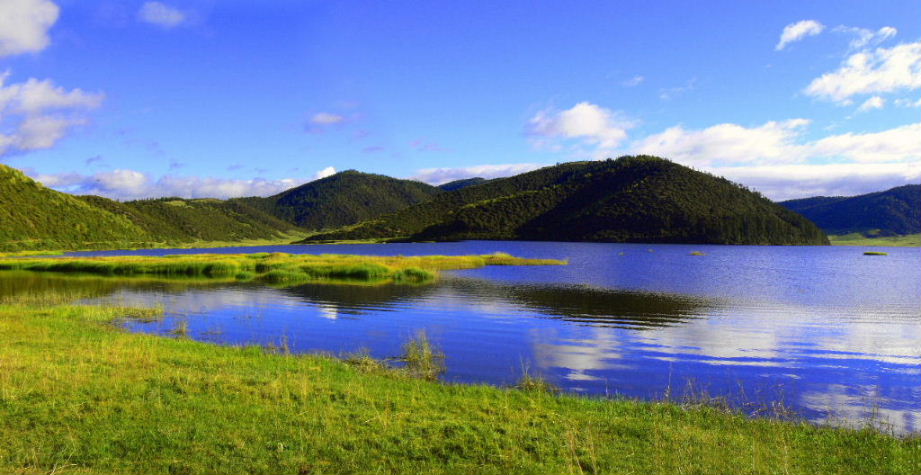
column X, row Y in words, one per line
column 831, row 333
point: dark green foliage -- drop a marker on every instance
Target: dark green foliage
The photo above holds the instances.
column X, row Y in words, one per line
column 885, row 213
column 631, row 199
column 462, row 183
column 342, row 199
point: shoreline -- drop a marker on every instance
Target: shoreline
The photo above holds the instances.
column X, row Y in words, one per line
column 115, row 395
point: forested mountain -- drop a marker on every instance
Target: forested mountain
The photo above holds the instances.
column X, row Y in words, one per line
column 188, row 220
column 631, row 199
column 35, row 217
column 885, row 213
column 462, row 183
column 342, row 199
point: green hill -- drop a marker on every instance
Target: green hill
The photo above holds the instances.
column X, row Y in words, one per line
column 462, row 183
column 35, row 217
column 885, row 213
column 183, row 220
column 631, row 199
column 343, row 199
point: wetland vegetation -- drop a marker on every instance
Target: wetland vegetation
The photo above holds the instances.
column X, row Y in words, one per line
column 273, row 268
column 80, row 395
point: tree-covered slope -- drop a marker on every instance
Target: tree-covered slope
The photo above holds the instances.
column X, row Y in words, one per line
column 343, row 199
column 35, row 217
column 187, row 220
column 462, row 183
column 891, row 212
column 631, row 199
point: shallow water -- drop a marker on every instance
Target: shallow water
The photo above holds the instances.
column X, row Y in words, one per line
column 828, row 332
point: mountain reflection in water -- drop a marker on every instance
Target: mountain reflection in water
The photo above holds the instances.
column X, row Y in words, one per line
column 736, row 325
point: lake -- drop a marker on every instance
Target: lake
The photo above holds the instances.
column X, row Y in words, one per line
column 826, row 332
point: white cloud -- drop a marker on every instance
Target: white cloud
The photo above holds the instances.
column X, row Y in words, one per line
column 875, row 102
column 893, row 145
column 634, row 81
column 34, row 97
column 724, row 143
column 162, row 15
column 589, row 123
column 903, row 102
column 670, row 93
column 777, row 143
column 871, row 72
column 124, row 184
column 782, row 182
column 326, row 118
column 864, row 37
column 37, row 114
column 132, row 184
column 797, row 31
column 24, row 25
column 437, row 176
column 42, row 132
column 328, row 171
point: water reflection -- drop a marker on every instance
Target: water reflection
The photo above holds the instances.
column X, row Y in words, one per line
column 828, row 361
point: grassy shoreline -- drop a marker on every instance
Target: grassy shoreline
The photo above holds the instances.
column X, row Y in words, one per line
column 79, row 395
column 857, row 239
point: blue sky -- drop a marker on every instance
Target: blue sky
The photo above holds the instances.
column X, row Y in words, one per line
column 229, row 98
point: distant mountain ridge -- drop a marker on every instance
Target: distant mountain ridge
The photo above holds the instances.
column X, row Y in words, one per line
column 896, row 211
column 342, row 199
column 631, row 199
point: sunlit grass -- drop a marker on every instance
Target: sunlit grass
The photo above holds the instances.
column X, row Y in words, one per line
column 857, row 239
column 271, row 268
column 78, row 395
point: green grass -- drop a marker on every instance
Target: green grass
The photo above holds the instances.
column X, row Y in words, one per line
column 857, row 239
column 274, row 268
column 79, row 395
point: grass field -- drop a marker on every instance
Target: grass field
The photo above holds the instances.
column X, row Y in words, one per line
column 857, row 239
column 80, row 395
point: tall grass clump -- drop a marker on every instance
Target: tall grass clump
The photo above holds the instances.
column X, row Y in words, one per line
column 421, row 359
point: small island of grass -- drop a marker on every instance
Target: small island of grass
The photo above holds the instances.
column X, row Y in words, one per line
column 272, row 268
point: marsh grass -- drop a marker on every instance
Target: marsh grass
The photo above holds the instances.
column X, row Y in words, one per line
column 530, row 382
column 421, row 359
column 79, row 395
column 698, row 253
column 271, row 268
column 858, row 239
column 875, row 253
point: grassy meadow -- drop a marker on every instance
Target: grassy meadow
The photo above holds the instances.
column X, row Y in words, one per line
column 79, row 394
